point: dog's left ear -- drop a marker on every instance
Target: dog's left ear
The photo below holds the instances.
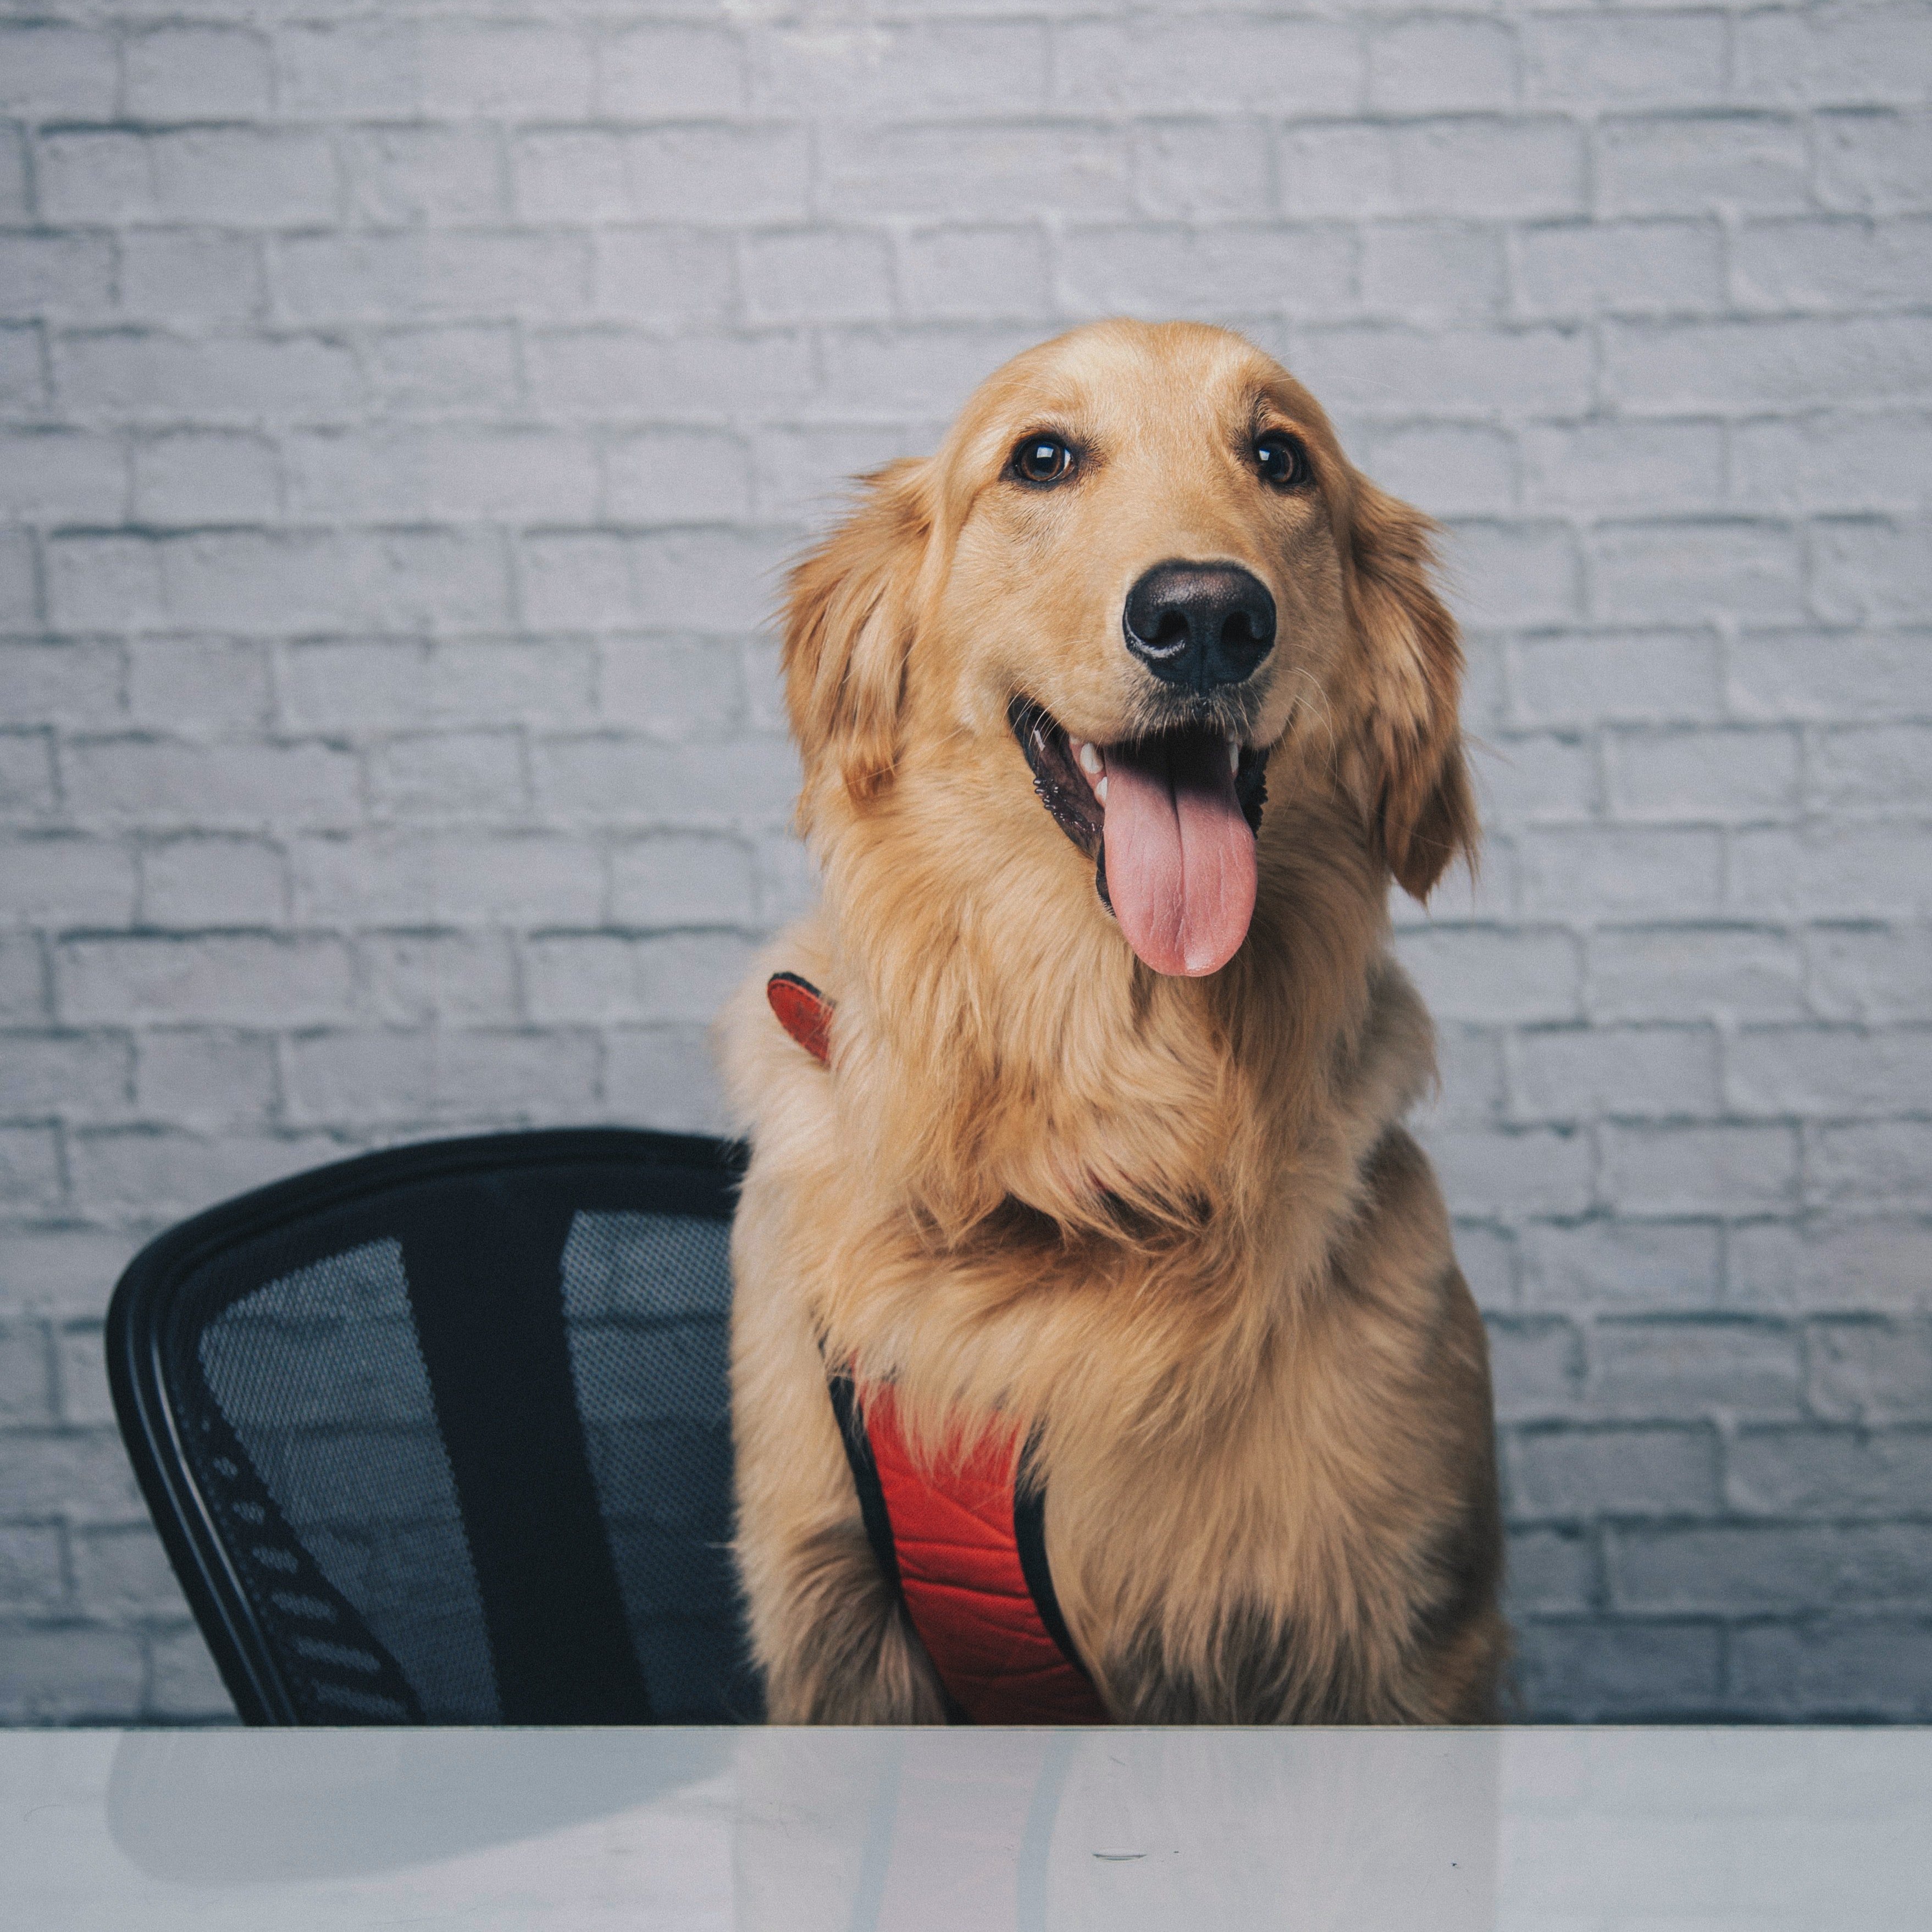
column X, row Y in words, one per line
column 849, row 623
column 1419, row 799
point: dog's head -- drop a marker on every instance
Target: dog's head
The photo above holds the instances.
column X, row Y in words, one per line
column 1140, row 553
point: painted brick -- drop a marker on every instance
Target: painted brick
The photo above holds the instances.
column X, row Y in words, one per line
column 1693, row 164
column 1633, row 466
column 198, row 684
column 1872, row 1163
column 1804, row 361
column 1536, row 1366
column 162, row 1171
column 1871, row 1372
column 1871, row 974
column 664, row 1077
column 1442, row 66
column 1459, row 467
column 1668, row 1370
column 1550, row 1569
column 1868, row 1265
column 1873, row 161
column 393, row 176
column 444, row 1076
column 1847, row 263
column 1830, row 463
column 682, row 879
column 1830, row 1071
column 1480, row 973
column 1208, row 169
column 1870, row 572
column 1703, row 775
column 1512, row 1172
column 196, row 476
column 248, row 177
column 1849, row 871
column 601, row 978
column 1830, row 1473
column 61, row 879
column 1855, row 55
column 1599, row 1670
column 227, row 980
column 154, row 781
column 954, row 273
column 335, row 278
column 184, row 1687
column 1692, row 972
column 56, row 71
column 808, row 275
column 414, row 878
column 1158, row 271
column 1388, row 371
column 1583, row 1474
column 409, row 979
column 67, row 1672
column 670, row 68
column 1663, row 573
column 1817, row 674
column 33, row 1576
column 1621, row 872
column 54, row 274
column 915, row 70
column 201, row 881
column 1647, row 59
column 1572, row 269
column 1698, row 1170
column 1457, row 165
column 1628, row 677
column 183, row 73
column 63, row 1076
column 191, row 275
column 205, row 1077
column 1621, row 1266
column 968, row 173
column 1577, row 1073
column 1452, row 270
column 1152, row 65
column 1863, row 1667
column 1871, row 1566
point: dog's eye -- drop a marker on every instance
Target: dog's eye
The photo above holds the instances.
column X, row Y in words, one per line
column 1042, row 459
column 1283, row 460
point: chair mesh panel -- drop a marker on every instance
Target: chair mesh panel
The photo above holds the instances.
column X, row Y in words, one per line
column 646, row 1298
column 339, row 1379
column 320, row 1378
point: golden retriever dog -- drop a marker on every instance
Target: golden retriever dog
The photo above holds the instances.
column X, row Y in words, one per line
column 1117, row 715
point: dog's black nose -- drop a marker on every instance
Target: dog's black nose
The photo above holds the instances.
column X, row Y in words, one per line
column 1200, row 624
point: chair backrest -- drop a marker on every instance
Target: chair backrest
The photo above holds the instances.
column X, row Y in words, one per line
column 442, row 1435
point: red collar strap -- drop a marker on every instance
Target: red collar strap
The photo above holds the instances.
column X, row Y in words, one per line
column 964, row 1548
column 804, row 1012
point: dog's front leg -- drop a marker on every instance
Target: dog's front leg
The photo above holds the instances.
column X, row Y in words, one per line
column 841, row 1650
column 827, row 1632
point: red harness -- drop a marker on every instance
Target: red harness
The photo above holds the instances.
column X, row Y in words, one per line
column 963, row 1543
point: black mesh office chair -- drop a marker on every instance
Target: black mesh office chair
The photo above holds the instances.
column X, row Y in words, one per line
column 441, row 1435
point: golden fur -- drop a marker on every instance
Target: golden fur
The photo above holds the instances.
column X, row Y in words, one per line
column 1174, row 1225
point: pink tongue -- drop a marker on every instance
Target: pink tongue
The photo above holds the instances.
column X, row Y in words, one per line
column 1180, row 859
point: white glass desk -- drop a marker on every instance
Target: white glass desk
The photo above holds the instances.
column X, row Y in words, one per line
column 1559, row 1831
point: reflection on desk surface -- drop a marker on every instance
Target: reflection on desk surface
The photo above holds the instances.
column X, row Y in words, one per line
column 779, row 1830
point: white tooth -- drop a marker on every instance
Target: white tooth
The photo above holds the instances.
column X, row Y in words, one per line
column 1234, row 755
column 1090, row 759
column 1100, row 790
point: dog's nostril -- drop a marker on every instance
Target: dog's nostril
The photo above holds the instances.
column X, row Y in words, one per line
column 1201, row 625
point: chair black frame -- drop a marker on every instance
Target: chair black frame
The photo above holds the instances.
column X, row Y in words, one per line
column 145, row 1303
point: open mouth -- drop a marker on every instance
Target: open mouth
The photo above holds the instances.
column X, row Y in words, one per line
column 1169, row 821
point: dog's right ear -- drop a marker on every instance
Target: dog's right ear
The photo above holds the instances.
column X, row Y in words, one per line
column 849, row 621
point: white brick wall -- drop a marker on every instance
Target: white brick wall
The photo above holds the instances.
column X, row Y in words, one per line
column 403, row 410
